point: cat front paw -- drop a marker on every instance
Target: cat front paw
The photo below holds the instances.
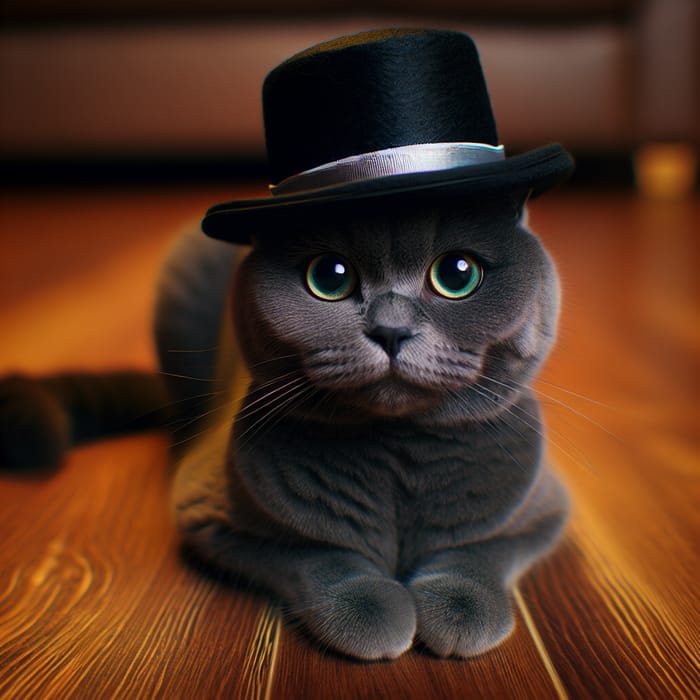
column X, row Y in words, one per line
column 365, row 617
column 460, row 617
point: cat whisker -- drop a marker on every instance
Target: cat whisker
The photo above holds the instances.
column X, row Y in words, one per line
column 228, row 408
column 270, row 360
column 333, row 408
column 198, row 398
column 474, row 360
column 223, row 424
column 256, row 387
column 204, row 395
column 167, row 408
column 192, row 350
column 275, row 413
column 540, row 380
column 245, row 413
column 531, row 422
column 199, row 417
column 494, row 431
column 285, row 389
column 521, row 416
column 575, row 394
column 188, row 377
column 558, row 402
column 548, row 398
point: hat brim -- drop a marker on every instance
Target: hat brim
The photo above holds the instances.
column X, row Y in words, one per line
column 535, row 172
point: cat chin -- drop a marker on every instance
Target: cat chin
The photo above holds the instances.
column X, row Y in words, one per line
column 392, row 392
column 392, row 398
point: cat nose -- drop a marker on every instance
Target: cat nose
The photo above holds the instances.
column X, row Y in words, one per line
column 391, row 339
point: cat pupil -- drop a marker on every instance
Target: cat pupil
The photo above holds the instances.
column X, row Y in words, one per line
column 455, row 275
column 454, row 272
column 330, row 275
column 329, row 278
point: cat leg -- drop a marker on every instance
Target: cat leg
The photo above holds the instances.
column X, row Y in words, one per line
column 462, row 595
column 345, row 601
column 341, row 598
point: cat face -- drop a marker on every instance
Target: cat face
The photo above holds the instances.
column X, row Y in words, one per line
column 441, row 312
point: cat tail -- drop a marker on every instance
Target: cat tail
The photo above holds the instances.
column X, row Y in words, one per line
column 41, row 418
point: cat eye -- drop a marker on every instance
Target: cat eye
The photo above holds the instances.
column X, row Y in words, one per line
column 330, row 278
column 455, row 275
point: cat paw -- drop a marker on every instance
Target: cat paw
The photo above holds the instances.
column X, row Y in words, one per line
column 459, row 617
column 368, row 618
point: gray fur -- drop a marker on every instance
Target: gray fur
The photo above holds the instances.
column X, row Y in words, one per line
column 382, row 500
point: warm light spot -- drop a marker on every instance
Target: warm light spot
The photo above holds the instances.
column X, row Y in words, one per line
column 666, row 170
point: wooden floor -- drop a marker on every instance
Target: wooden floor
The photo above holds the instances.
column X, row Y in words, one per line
column 96, row 601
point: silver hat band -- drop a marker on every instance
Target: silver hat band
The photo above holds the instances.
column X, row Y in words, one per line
column 404, row 160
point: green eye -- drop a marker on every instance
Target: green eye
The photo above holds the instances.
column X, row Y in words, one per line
column 330, row 278
column 455, row 275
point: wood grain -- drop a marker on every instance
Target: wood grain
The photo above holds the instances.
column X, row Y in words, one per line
column 96, row 599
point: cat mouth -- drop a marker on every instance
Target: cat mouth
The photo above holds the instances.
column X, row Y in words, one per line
column 394, row 397
column 394, row 387
column 402, row 390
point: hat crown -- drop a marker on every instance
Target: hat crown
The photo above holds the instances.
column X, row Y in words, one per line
column 372, row 91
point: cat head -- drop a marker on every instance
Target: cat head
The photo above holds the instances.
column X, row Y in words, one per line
column 441, row 312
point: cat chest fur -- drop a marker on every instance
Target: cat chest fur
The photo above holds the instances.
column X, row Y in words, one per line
column 393, row 491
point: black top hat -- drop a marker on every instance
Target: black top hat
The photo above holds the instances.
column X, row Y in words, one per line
column 381, row 113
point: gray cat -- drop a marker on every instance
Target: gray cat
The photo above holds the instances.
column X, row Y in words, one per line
column 384, row 474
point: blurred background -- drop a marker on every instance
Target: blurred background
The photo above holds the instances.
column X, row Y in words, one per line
column 137, row 89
